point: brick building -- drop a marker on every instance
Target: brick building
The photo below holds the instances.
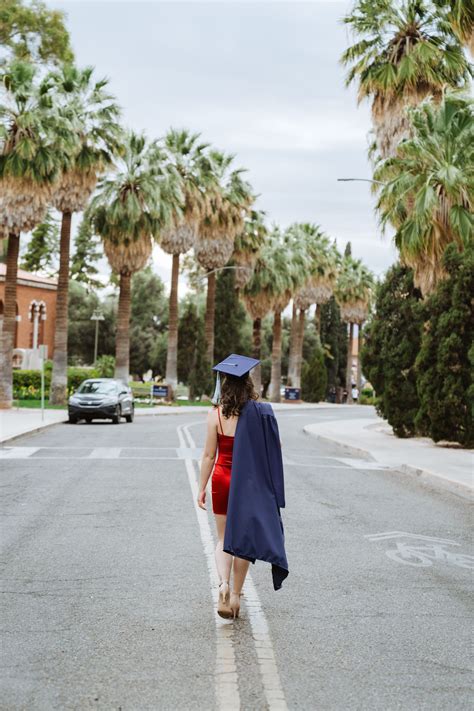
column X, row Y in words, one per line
column 36, row 315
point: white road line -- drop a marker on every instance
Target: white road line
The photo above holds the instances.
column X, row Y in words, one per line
column 104, row 453
column 260, row 632
column 17, row 452
column 227, row 690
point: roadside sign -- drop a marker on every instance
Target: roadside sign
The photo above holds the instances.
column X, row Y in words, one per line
column 159, row 391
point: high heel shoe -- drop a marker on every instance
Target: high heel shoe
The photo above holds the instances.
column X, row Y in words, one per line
column 223, row 607
column 235, row 603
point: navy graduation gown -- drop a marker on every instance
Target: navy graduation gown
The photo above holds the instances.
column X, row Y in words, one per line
column 254, row 529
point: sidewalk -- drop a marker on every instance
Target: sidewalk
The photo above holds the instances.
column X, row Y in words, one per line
column 23, row 420
column 20, row 421
column 374, row 440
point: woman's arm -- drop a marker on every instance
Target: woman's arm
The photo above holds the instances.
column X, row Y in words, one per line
column 208, row 457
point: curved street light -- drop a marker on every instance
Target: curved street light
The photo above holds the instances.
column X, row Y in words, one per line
column 359, row 180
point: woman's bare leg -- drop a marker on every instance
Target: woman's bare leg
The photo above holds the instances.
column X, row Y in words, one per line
column 241, row 567
column 223, row 560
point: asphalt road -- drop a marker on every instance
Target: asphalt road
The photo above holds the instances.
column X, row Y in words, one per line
column 107, row 593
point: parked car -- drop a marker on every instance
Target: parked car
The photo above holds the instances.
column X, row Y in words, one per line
column 101, row 399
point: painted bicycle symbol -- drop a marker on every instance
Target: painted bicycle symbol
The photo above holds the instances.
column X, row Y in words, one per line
column 422, row 551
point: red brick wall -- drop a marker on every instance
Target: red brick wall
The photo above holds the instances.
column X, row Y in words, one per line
column 25, row 296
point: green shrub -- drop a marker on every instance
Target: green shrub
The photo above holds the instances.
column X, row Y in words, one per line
column 105, row 366
column 444, row 364
column 27, row 383
column 391, row 344
column 75, row 376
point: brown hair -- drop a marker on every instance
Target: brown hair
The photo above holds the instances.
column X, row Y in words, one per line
column 235, row 392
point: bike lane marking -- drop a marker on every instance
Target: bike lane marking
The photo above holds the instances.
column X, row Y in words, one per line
column 423, row 551
column 269, row 675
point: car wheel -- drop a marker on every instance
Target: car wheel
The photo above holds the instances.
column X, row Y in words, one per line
column 116, row 417
column 72, row 420
column 129, row 417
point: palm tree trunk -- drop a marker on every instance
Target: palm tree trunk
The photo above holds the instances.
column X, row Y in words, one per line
column 257, row 348
column 7, row 334
column 349, row 364
column 317, row 319
column 359, row 367
column 58, row 390
column 122, row 339
column 299, row 352
column 276, row 359
column 210, row 316
column 172, row 353
column 293, row 345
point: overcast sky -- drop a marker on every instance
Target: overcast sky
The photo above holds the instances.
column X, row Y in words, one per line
column 258, row 79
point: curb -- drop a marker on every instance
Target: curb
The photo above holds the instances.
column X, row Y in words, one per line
column 429, row 477
column 345, row 448
column 38, row 428
column 454, row 487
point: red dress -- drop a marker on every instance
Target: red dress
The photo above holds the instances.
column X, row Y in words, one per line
column 220, row 482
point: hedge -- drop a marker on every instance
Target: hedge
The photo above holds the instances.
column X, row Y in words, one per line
column 27, row 383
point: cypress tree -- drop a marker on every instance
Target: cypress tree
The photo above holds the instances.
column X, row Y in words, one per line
column 231, row 320
column 87, row 252
column 445, row 362
column 43, row 247
column 201, row 381
column 189, row 325
column 391, row 345
column 334, row 341
column 314, row 377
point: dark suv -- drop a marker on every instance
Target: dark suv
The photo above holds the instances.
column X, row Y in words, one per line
column 101, row 399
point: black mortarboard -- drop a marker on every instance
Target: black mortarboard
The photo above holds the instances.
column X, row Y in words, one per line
column 234, row 364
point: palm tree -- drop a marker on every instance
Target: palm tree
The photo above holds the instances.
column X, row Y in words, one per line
column 188, row 159
column 128, row 211
column 289, row 277
column 460, row 14
column 353, row 293
column 31, row 140
column 268, row 288
column 94, row 115
column 435, row 168
column 247, row 246
column 406, row 51
column 224, row 220
column 319, row 260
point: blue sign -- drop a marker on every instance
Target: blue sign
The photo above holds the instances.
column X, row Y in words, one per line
column 292, row 393
column 159, row 391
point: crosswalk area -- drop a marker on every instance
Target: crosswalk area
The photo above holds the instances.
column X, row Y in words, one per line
column 291, row 457
column 35, row 453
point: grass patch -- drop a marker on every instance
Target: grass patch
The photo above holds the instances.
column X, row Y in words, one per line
column 36, row 404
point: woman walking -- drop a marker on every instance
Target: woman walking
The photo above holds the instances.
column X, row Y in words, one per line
column 247, row 483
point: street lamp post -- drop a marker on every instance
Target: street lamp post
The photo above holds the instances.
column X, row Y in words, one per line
column 359, row 180
column 96, row 316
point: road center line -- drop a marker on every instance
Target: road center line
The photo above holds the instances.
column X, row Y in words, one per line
column 260, row 632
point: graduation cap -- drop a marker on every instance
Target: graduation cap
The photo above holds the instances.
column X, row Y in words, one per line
column 237, row 365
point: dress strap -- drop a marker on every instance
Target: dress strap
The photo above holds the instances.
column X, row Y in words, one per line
column 219, row 416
